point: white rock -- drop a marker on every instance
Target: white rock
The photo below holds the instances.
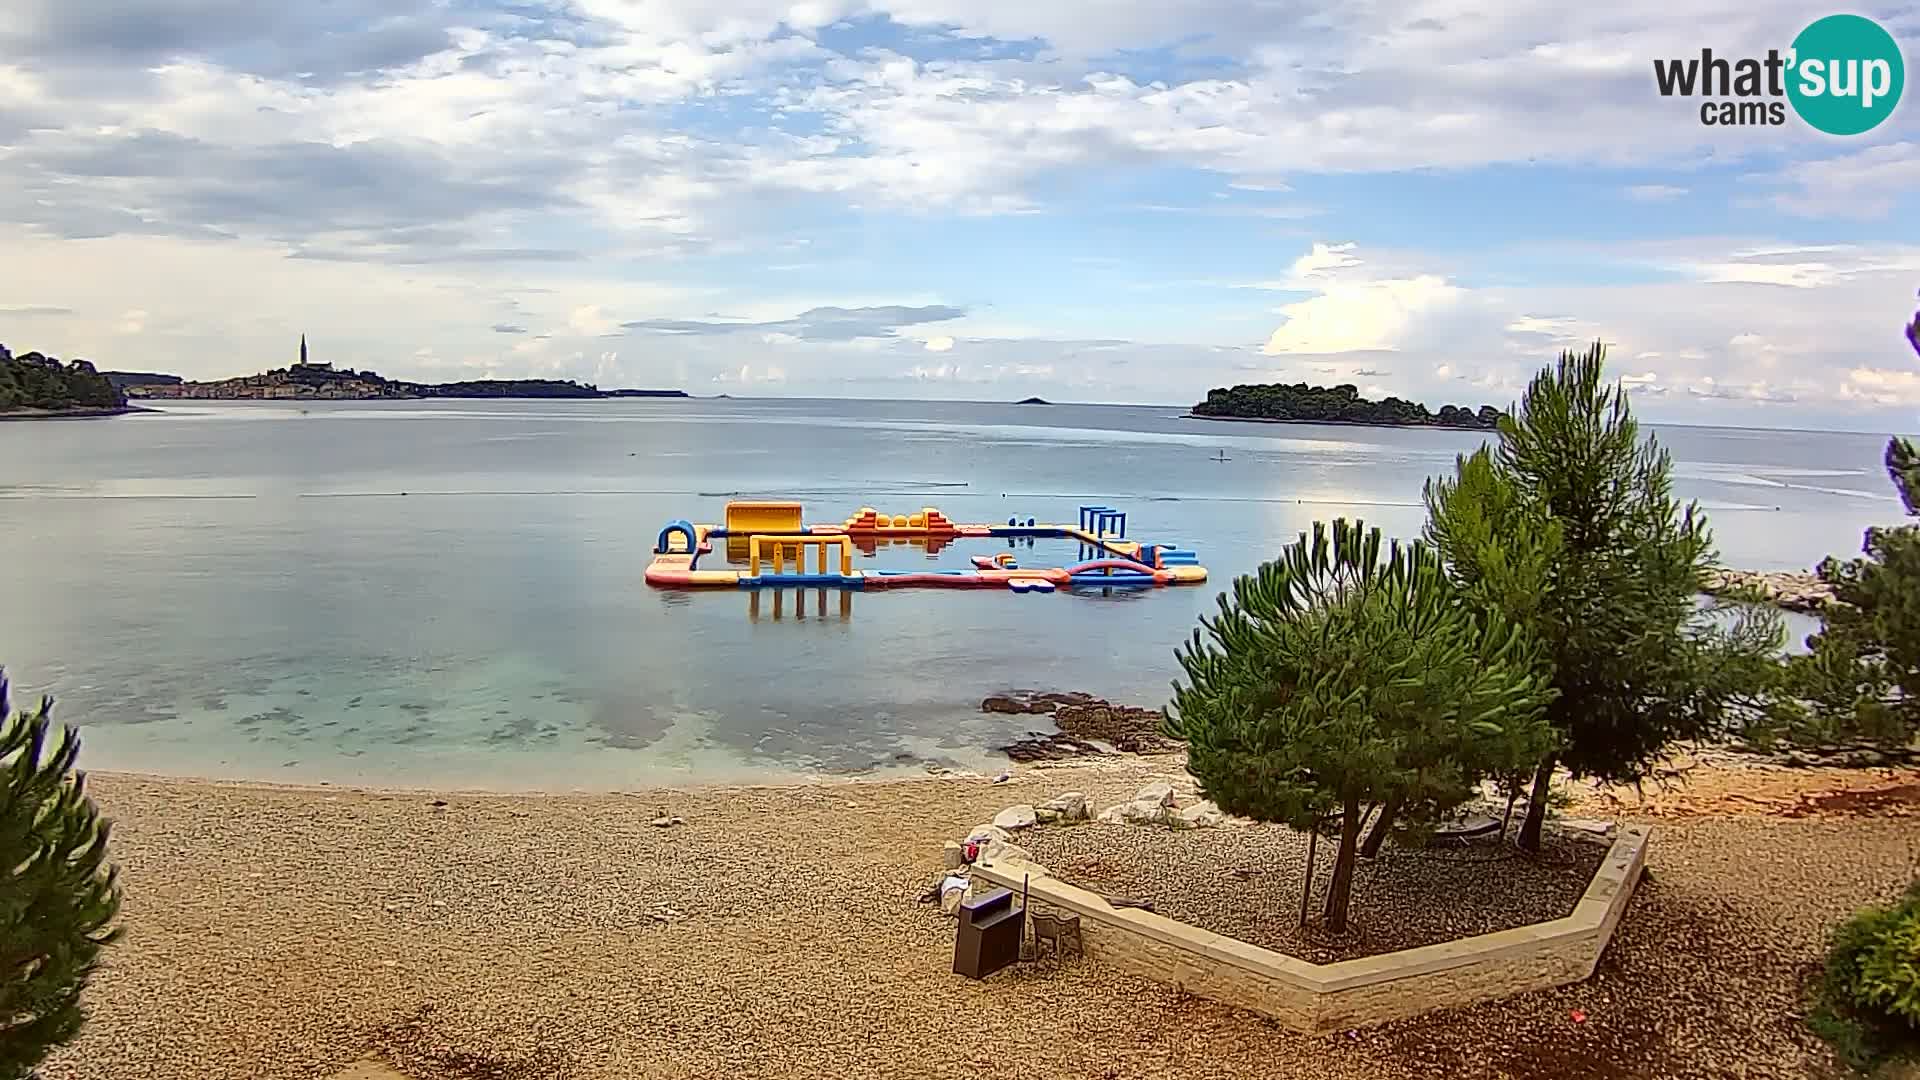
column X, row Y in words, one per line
column 1147, row 812
column 1158, row 792
column 1071, row 806
column 1201, row 815
column 1115, row 814
column 950, row 898
column 986, row 832
column 951, row 855
column 1005, row 853
column 1020, row 816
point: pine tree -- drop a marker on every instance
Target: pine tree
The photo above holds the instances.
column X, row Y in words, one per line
column 1571, row 528
column 59, row 897
column 1860, row 676
column 1338, row 677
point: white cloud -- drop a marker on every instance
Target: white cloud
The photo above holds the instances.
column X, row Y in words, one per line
column 1864, row 184
column 1654, row 192
column 569, row 174
column 588, row 319
column 1882, row 386
column 1817, row 266
column 1354, row 310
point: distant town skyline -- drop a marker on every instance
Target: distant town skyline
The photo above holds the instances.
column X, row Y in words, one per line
column 917, row 198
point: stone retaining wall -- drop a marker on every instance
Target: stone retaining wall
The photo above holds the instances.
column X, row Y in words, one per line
column 1352, row 993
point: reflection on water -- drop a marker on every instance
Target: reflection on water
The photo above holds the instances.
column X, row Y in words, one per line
column 775, row 601
column 451, row 596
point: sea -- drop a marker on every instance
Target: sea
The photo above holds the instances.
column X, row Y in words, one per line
column 448, row 594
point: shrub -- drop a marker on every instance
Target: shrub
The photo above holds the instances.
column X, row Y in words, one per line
column 1868, row 1003
column 58, row 897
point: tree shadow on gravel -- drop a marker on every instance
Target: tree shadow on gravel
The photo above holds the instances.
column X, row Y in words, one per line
column 413, row 1048
column 1687, row 988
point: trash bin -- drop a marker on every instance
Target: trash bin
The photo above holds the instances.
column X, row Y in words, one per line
column 988, row 938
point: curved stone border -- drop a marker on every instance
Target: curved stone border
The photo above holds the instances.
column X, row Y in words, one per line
column 1352, row 993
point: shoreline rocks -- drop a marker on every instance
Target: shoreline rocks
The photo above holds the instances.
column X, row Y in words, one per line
column 1788, row 590
column 1159, row 804
column 1087, row 726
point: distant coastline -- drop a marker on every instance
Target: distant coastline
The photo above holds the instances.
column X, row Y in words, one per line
column 34, row 386
column 75, row 413
column 322, row 382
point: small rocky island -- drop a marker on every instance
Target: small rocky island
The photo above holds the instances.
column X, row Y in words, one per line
column 33, row 385
column 1033, row 401
column 1279, row 403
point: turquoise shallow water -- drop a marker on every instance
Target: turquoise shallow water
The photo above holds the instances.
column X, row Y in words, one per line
column 449, row 593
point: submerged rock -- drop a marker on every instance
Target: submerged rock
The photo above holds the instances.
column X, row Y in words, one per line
column 1042, row 746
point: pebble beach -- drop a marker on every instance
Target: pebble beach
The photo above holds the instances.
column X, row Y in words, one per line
column 285, row 933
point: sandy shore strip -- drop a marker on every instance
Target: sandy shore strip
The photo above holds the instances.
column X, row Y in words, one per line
column 278, row 932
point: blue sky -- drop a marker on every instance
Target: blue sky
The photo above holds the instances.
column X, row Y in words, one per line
column 1083, row 199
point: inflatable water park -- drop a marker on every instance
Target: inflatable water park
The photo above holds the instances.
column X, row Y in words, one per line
column 770, row 546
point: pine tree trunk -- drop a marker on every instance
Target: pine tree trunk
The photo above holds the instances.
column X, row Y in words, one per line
column 1341, row 888
column 1306, row 887
column 1381, row 828
column 1529, row 839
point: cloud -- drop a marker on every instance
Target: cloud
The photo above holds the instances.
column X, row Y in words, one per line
column 748, row 375
column 508, row 328
column 814, row 324
column 589, row 319
column 1355, row 309
column 331, row 39
column 1882, row 386
column 33, row 312
column 1805, row 266
column 1654, row 192
column 379, row 196
column 1865, row 184
column 416, row 170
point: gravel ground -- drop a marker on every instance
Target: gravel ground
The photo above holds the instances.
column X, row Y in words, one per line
column 286, row 934
column 1245, row 883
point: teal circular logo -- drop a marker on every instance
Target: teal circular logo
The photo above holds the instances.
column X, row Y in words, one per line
column 1846, row 74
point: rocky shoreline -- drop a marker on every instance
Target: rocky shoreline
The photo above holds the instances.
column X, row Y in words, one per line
column 1785, row 589
column 1088, row 726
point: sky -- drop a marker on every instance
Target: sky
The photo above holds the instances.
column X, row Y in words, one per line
column 1086, row 200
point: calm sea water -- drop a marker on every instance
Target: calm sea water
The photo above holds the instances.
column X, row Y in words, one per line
column 449, row 593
